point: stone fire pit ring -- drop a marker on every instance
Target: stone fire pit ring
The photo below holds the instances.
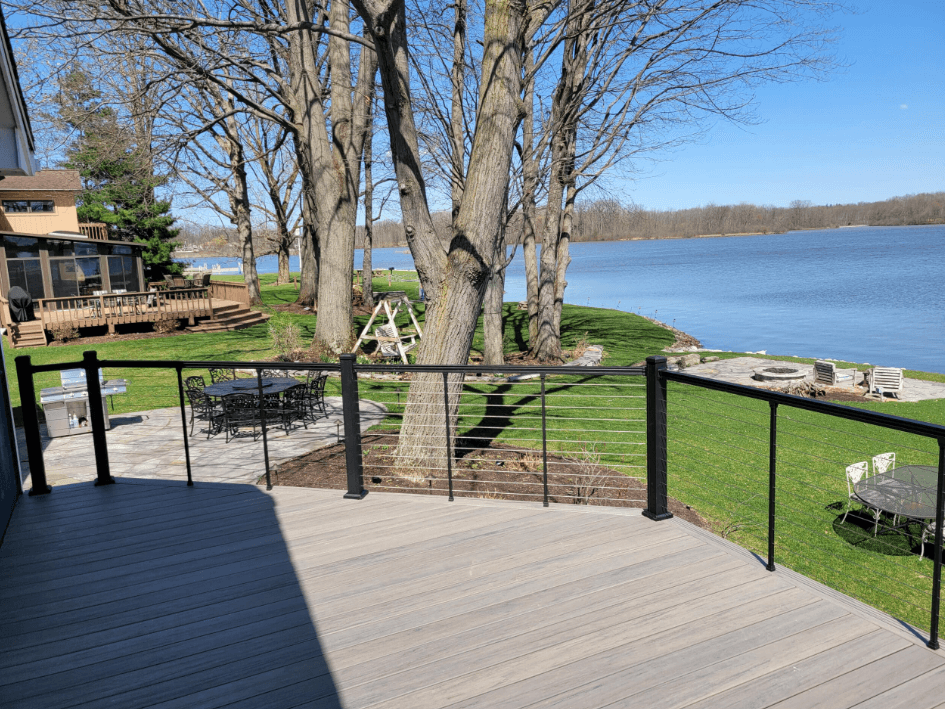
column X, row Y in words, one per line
column 783, row 373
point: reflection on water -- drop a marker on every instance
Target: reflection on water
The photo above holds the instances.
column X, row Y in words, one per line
column 865, row 294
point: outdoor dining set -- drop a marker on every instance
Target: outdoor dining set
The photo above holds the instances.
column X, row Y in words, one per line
column 235, row 407
column 898, row 496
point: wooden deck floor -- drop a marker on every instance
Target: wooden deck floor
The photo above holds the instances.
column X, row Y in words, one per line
column 151, row 594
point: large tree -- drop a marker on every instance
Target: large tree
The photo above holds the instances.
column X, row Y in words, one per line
column 118, row 180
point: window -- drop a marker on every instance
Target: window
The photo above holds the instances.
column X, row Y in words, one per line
column 21, row 246
column 123, row 273
column 27, row 206
column 28, row 275
column 65, row 283
column 89, row 272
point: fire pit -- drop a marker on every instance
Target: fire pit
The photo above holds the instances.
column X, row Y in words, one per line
column 779, row 374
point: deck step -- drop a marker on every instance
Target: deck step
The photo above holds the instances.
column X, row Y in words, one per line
column 230, row 317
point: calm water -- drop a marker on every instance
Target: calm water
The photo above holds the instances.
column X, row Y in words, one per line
column 867, row 294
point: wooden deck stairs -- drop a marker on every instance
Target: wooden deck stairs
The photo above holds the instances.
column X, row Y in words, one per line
column 28, row 334
column 228, row 315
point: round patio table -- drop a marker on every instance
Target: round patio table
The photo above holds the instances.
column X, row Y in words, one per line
column 271, row 385
column 908, row 491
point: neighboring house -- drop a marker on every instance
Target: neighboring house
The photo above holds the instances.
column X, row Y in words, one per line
column 40, row 204
column 16, row 158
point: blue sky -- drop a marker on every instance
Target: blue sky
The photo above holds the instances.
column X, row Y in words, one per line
column 873, row 130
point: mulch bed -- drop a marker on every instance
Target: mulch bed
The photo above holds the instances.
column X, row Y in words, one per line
column 118, row 337
column 498, row 472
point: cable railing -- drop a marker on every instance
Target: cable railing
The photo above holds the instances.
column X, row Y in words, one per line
column 765, row 469
column 848, row 497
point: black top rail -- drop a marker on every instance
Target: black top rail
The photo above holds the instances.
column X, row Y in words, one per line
column 897, row 423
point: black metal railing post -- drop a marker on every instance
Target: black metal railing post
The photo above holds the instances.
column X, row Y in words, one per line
column 449, row 449
column 34, row 441
column 97, row 417
column 772, row 478
column 183, row 421
column 262, row 424
column 937, row 557
column 544, row 443
column 352, row 419
column 656, row 449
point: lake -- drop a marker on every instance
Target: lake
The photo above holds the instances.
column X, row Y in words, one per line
column 864, row 294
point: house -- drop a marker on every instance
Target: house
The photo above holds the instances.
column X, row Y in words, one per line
column 41, row 203
column 16, row 159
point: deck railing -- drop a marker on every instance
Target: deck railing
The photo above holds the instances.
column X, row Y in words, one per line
column 120, row 308
column 757, row 460
column 230, row 290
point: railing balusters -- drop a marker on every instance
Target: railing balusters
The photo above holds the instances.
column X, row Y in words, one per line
column 183, row 421
column 446, row 414
column 937, row 554
column 772, row 480
column 544, row 444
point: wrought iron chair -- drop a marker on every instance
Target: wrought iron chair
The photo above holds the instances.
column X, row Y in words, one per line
column 855, row 473
column 196, row 382
column 240, row 411
column 206, row 409
column 315, row 398
column 222, row 375
column 295, row 406
column 273, row 373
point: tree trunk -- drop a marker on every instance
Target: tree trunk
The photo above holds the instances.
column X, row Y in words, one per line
column 339, row 179
column 282, row 249
column 530, row 177
column 493, row 351
column 367, row 268
column 451, row 316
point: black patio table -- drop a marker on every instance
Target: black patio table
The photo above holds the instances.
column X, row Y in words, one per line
column 907, row 492
column 271, row 385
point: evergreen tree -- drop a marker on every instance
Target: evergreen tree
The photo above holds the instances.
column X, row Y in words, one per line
column 118, row 180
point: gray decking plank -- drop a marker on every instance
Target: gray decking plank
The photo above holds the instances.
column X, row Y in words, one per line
column 553, row 604
column 868, row 681
column 395, row 674
column 578, row 652
column 923, row 692
column 786, row 682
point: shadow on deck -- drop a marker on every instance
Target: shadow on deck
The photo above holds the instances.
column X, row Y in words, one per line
column 149, row 593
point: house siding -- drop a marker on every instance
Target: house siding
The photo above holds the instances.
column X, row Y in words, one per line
column 64, row 217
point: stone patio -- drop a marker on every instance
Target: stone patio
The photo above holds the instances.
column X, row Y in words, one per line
column 149, row 444
column 740, row 370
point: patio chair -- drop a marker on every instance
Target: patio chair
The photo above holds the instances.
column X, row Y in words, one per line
column 220, row 374
column 315, row 398
column 927, row 530
column 273, row 373
column 883, row 462
column 855, row 473
column 240, row 411
column 827, row 373
column 294, row 406
column 196, row 382
column 206, row 409
column 885, row 380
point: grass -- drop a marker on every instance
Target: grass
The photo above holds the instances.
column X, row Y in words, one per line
column 718, row 443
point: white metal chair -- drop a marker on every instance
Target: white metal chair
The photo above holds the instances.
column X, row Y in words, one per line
column 883, row 462
column 828, row 374
column 885, row 380
column 928, row 530
column 855, row 473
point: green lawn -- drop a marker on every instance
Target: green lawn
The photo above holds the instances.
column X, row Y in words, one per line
column 718, row 443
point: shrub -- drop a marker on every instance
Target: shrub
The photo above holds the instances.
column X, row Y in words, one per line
column 63, row 332
column 286, row 337
column 165, row 326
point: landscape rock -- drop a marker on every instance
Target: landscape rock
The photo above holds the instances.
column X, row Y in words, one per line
column 689, row 360
column 710, row 359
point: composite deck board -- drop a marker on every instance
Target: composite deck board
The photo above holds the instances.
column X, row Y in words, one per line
column 152, row 594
